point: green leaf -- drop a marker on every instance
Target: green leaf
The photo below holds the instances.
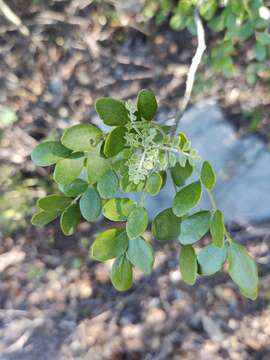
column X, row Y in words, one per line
column 147, row 104
column 81, row 137
column 128, row 186
column 43, row 217
column 181, row 173
column 48, row 153
column 187, row 198
column 260, row 52
column 70, row 219
column 115, row 141
column 154, row 184
column 208, row 176
column 263, row 38
column 108, row 185
column 137, row 222
column 194, row 227
column 67, row 170
column 53, row 203
column 243, row 270
column 166, row 226
column 97, row 166
column 112, row 112
column 140, row 253
column 77, row 187
column 208, row 9
column 211, row 259
column 217, row 229
column 188, row 264
column 90, row 204
column 109, row 244
column 118, row 209
column 121, row 275
column 246, row 31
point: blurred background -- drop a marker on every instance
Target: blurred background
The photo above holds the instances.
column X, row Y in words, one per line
column 56, row 58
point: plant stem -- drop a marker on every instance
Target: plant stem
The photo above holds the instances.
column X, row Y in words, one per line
column 193, row 67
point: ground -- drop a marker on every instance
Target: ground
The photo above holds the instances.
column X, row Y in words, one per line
column 56, row 302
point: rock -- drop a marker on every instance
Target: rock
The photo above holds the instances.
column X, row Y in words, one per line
column 242, row 166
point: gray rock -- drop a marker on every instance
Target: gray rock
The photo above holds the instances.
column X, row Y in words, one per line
column 242, row 166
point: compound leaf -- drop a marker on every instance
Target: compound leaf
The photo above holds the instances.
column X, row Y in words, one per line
column 181, row 173
column 140, row 253
column 115, row 141
column 43, row 217
column 81, row 137
column 49, row 152
column 70, row 219
column 147, row 104
column 112, row 112
column 187, row 198
column 217, row 228
column 108, row 185
column 97, row 166
column 154, row 184
column 208, row 176
column 243, row 270
column 109, row 244
column 90, row 205
column 194, row 227
column 118, row 209
column 53, row 203
column 188, row 264
column 137, row 222
column 67, row 170
column 211, row 259
column 121, row 275
column 75, row 188
column 166, row 226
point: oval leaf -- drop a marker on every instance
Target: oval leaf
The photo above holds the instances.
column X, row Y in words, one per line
column 90, row 205
column 108, row 185
column 77, row 187
column 187, row 198
column 140, row 253
column 181, row 173
column 128, row 186
column 48, row 153
column 137, row 222
column 208, row 176
column 243, row 270
column 211, row 259
column 70, row 219
column 115, row 141
column 112, row 112
column 118, row 209
column 109, row 244
column 188, row 264
column 121, row 275
column 81, row 137
column 194, row 227
column 147, row 104
column 53, row 203
column 43, row 217
column 67, row 170
column 166, row 226
column 154, row 184
column 97, row 166
column 217, row 228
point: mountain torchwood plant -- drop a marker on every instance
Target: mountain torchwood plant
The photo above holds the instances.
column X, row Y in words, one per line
column 137, row 155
